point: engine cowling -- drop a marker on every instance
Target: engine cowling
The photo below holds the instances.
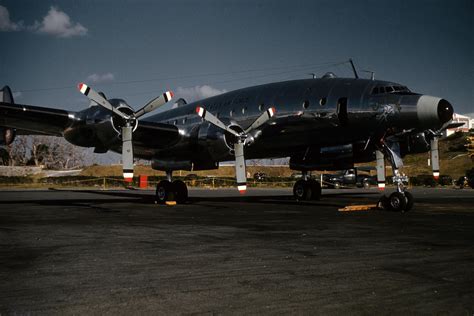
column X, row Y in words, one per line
column 7, row 136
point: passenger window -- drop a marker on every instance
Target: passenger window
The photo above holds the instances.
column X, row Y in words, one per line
column 231, row 113
column 322, row 101
column 243, row 109
column 260, row 107
column 305, row 104
column 184, row 120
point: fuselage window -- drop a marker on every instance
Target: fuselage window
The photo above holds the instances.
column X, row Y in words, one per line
column 243, row 109
column 231, row 113
column 305, row 104
column 175, row 122
column 184, row 120
column 322, row 101
column 260, row 107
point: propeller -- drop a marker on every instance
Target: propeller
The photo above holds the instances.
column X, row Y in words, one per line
column 127, row 129
column 434, row 157
column 242, row 140
column 434, row 151
column 380, row 170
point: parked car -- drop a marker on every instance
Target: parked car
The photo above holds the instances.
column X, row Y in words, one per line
column 259, row 176
column 359, row 177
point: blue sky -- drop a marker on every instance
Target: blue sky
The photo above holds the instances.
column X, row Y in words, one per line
column 50, row 46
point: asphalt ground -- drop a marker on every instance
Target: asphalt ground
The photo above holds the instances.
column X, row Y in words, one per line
column 116, row 252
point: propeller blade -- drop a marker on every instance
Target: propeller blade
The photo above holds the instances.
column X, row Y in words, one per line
column 380, row 170
column 435, row 157
column 99, row 99
column 214, row 120
column 240, row 172
column 155, row 103
column 262, row 119
column 127, row 152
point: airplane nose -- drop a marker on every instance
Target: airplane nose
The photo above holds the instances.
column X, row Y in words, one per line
column 433, row 111
column 445, row 111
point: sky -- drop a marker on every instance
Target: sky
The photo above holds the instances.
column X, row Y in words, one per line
column 135, row 50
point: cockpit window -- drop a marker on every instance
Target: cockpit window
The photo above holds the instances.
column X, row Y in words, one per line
column 390, row 89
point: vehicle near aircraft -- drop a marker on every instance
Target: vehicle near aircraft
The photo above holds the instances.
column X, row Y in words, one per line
column 326, row 123
column 359, row 176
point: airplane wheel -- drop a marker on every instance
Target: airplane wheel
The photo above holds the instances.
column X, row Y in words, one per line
column 410, row 201
column 164, row 191
column 181, row 191
column 315, row 190
column 397, row 202
column 302, row 190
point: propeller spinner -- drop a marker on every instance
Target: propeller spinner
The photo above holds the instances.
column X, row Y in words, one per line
column 127, row 129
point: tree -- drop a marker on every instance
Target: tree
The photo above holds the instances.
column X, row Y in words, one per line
column 48, row 151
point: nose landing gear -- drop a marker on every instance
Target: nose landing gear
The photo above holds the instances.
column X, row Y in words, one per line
column 400, row 200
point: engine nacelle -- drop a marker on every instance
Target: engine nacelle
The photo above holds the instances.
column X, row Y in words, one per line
column 165, row 165
column 7, row 135
column 325, row 158
column 414, row 144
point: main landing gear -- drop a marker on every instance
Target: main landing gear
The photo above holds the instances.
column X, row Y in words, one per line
column 307, row 189
column 168, row 190
column 400, row 200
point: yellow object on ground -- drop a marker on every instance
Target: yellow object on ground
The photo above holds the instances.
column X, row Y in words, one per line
column 170, row 203
column 353, row 208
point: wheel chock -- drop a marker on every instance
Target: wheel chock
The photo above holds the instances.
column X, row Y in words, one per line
column 170, row 203
column 355, row 208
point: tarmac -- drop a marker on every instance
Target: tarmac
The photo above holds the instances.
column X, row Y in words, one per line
column 116, row 252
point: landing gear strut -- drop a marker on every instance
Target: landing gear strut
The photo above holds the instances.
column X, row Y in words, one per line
column 168, row 190
column 400, row 200
column 307, row 189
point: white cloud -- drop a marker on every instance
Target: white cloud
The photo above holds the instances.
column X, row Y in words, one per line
column 59, row 24
column 98, row 78
column 197, row 93
column 6, row 24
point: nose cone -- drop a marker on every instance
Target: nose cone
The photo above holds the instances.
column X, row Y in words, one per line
column 445, row 111
column 433, row 112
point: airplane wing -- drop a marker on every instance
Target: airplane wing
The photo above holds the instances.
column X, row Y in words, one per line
column 34, row 119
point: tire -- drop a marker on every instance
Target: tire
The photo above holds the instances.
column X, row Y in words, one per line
column 410, row 201
column 397, row 202
column 164, row 191
column 181, row 191
column 302, row 190
column 336, row 185
column 366, row 184
column 315, row 190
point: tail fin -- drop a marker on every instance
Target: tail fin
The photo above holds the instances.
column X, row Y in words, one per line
column 6, row 95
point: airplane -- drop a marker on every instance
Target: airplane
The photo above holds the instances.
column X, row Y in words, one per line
column 326, row 123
